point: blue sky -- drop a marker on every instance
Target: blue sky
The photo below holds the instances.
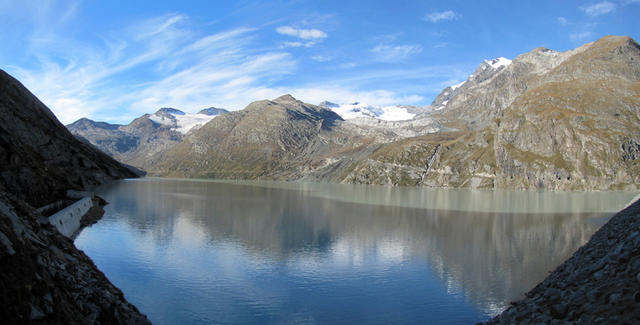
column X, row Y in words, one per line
column 115, row 60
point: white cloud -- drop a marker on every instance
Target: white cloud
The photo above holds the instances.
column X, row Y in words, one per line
column 293, row 44
column 299, row 44
column 309, row 37
column 229, row 83
column 187, row 71
column 563, row 21
column 45, row 15
column 391, row 53
column 165, row 61
column 600, row 8
column 436, row 17
column 305, row 34
column 322, row 58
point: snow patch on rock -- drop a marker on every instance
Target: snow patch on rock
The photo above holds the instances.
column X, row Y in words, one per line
column 497, row 63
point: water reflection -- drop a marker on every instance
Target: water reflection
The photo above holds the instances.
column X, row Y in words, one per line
column 485, row 247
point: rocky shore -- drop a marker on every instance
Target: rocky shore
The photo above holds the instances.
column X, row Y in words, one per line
column 599, row 284
column 44, row 278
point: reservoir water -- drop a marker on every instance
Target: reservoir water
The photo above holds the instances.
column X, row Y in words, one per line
column 225, row 252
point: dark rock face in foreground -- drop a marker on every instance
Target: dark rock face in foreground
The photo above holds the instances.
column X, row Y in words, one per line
column 44, row 278
column 40, row 158
column 599, row 284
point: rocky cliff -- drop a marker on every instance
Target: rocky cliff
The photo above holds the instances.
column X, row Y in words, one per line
column 43, row 277
column 548, row 120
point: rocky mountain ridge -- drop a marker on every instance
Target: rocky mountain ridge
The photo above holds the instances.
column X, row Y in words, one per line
column 268, row 138
column 546, row 120
column 145, row 136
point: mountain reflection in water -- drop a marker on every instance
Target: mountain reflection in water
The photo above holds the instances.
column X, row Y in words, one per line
column 342, row 243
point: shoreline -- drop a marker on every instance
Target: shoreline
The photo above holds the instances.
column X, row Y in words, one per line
column 599, row 283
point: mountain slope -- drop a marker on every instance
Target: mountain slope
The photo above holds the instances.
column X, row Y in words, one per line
column 44, row 278
column 273, row 139
column 106, row 137
column 40, row 158
column 549, row 120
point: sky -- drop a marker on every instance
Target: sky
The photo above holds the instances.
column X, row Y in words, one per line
column 116, row 60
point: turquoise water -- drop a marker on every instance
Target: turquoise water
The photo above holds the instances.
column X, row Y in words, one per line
column 201, row 252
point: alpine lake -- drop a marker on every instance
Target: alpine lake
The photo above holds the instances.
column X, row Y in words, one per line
column 259, row 252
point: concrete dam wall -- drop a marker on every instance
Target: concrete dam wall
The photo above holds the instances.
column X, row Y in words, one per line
column 67, row 220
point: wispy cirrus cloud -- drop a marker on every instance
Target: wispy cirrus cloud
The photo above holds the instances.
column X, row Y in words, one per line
column 162, row 61
column 308, row 37
column 181, row 69
column 440, row 16
column 305, row 34
column 430, row 78
column 322, row 58
column 600, row 8
column 170, row 60
column 299, row 44
column 393, row 53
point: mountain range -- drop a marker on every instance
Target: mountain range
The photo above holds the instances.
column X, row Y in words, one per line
column 545, row 120
column 145, row 136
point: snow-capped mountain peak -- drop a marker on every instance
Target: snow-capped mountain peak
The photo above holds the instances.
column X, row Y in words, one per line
column 184, row 122
column 169, row 110
column 498, row 62
column 458, row 85
column 362, row 110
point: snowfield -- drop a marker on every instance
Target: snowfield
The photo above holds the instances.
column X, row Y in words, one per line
column 180, row 121
column 356, row 110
